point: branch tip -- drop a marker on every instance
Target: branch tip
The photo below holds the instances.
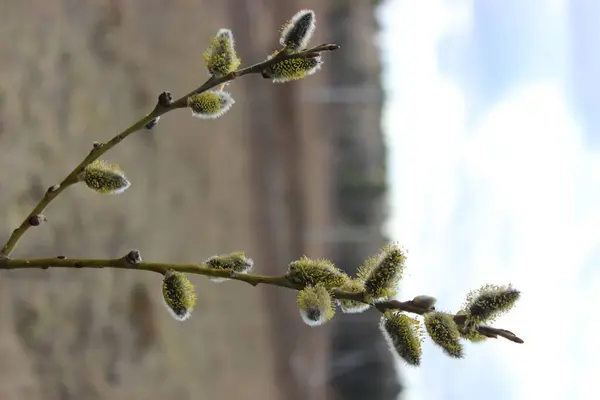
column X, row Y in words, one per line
column 325, row 47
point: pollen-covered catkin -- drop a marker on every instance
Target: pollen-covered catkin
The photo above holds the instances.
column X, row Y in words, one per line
column 179, row 294
column 315, row 305
column 306, row 271
column 236, row 262
column 487, row 303
column 104, row 177
column 381, row 273
column 404, row 336
column 210, row 104
column 292, row 68
column 444, row 332
column 221, row 58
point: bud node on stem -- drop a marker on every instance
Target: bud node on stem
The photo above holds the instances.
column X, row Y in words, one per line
column 165, row 99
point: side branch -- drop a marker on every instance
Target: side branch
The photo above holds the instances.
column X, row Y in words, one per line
column 164, row 105
column 201, row 269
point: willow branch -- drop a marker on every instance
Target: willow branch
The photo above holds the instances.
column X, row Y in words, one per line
column 164, row 105
column 126, row 262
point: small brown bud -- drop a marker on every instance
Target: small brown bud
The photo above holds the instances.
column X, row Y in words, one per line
column 97, row 145
column 53, row 188
column 37, row 220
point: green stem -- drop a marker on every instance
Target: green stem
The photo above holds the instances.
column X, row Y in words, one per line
column 203, row 269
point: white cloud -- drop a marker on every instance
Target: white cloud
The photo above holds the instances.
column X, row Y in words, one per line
column 517, row 199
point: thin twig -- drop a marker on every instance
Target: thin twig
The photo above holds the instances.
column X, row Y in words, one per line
column 203, row 269
column 159, row 110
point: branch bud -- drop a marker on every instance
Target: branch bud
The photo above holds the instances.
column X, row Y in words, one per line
column 165, row 99
column 37, row 220
column 314, row 272
column 104, row 177
column 220, row 58
column 296, row 33
column 134, row 257
column 404, row 336
column 292, row 68
column 444, row 332
column 179, row 295
column 489, row 302
column 352, row 306
column 315, row 305
column 150, row 125
column 424, row 301
column 381, row 273
column 236, row 262
column 211, row 104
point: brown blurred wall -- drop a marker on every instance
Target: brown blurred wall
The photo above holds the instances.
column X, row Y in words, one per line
column 261, row 179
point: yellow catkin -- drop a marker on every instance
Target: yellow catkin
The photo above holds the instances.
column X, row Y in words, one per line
column 104, row 177
column 444, row 332
column 306, row 271
column 179, row 295
column 221, row 58
column 381, row 273
column 404, row 336
column 315, row 305
column 210, row 104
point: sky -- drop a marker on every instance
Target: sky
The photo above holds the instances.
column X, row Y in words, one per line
column 506, row 193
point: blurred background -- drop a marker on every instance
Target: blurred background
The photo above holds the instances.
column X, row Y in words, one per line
column 464, row 129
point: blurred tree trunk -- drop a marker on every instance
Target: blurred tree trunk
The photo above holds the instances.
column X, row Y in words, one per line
column 362, row 366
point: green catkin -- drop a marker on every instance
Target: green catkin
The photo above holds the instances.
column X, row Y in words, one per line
column 210, row 104
column 315, row 305
column 292, row 68
column 306, row 271
column 404, row 336
column 489, row 302
column 179, row 295
column 381, row 273
column 444, row 332
column 236, row 262
column 104, row 177
column 221, row 58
